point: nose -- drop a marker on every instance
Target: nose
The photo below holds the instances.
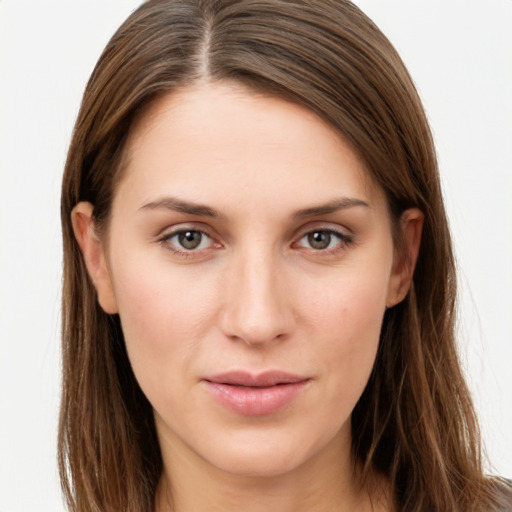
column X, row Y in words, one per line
column 258, row 308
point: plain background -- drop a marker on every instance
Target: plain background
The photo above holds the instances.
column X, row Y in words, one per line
column 459, row 54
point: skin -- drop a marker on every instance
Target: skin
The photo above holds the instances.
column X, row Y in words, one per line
column 254, row 295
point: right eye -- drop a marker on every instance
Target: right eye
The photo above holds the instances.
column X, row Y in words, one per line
column 187, row 240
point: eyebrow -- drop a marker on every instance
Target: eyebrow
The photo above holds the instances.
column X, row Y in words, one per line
column 178, row 205
column 331, row 207
column 200, row 210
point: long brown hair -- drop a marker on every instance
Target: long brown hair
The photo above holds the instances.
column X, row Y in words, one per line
column 415, row 422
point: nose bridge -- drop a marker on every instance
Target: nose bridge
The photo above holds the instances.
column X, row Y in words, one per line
column 258, row 310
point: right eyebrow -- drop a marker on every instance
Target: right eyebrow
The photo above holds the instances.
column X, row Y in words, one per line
column 178, row 205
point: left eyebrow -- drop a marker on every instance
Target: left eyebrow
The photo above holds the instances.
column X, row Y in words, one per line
column 331, row 207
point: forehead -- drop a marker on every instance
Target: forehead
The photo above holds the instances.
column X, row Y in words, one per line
column 211, row 139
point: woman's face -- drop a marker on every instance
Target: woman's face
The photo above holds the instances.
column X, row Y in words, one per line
column 250, row 259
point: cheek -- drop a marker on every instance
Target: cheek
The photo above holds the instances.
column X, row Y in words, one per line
column 352, row 305
column 164, row 319
column 348, row 321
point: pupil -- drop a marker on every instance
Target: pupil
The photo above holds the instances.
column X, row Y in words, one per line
column 319, row 239
column 190, row 239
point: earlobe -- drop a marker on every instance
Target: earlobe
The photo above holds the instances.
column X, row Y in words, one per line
column 406, row 254
column 94, row 255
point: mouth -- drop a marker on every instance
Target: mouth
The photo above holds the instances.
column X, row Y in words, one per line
column 255, row 394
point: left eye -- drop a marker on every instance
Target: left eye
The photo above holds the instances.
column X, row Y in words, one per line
column 321, row 239
column 189, row 240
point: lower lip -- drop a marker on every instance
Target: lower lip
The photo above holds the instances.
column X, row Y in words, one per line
column 255, row 401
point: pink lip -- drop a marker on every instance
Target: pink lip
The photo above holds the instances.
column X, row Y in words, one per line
column 255, row 395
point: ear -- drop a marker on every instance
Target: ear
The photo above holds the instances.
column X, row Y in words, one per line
column 94, row 255
column 405, row 256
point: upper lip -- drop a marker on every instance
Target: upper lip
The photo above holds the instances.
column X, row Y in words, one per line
column 259, row 380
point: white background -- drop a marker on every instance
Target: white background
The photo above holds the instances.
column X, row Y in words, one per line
column 460, row 55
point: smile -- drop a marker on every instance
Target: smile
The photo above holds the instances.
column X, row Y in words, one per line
column 255, row 395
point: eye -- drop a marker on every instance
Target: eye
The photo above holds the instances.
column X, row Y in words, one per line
column 188, row 240
column 323, row 240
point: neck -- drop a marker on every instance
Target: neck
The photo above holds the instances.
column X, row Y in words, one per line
column 327, row 483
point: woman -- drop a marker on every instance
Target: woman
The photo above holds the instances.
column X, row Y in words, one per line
column 259, row 283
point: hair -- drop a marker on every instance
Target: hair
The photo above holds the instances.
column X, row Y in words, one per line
column 415, row 422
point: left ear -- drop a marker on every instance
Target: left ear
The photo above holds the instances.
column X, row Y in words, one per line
column 405, row 255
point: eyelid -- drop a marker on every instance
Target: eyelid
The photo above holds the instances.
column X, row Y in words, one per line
column 167, row 234
column 341, row 231
column 345, row 236
column 180, row 227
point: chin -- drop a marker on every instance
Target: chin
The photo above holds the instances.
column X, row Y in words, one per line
column 271, row 454
column 262, row 464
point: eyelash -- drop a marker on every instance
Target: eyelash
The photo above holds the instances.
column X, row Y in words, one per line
column 185, row 253
column 344, row 240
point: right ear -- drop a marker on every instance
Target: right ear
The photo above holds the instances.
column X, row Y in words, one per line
column 94, row 255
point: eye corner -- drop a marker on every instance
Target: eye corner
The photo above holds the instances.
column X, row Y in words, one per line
column 188, row 242
column 323, row 240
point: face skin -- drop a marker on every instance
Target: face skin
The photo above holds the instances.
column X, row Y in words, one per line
column 289, row 266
